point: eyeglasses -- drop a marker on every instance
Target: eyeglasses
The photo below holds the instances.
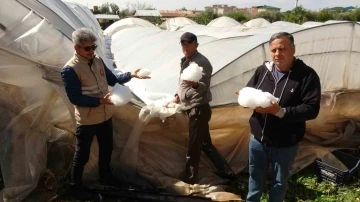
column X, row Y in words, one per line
column 88, row 48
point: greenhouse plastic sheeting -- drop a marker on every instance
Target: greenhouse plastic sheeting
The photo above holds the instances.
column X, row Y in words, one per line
column 332, row 54
column 126, row 23
column 174, row 24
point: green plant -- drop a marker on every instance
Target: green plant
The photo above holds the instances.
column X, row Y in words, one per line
column 239, row 16
column 271, row 16
column 205, row 17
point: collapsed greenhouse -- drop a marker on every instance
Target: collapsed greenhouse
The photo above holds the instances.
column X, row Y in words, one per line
column 37, row 123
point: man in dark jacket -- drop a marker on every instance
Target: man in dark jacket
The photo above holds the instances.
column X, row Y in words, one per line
column 278, row 129
column 196, row 97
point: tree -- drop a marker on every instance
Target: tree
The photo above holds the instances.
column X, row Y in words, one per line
column 271, row 16
column 139, row 5
column 348, row 16
column 205, row 17
column 114, row 8
column 131, row 7
column 325, row 15
column 239, row 16
column 356, row 15
column 122, row 14
column 299, row 15
column 105, row 8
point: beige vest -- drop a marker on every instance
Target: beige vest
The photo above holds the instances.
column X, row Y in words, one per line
column 94, row 84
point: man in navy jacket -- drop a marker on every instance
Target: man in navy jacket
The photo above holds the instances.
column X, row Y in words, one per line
column 86, row 80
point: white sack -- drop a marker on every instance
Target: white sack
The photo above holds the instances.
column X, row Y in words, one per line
column 252, row 98
column 120, row 95
column 144, row 72
column 192, row 73
column 159, row 109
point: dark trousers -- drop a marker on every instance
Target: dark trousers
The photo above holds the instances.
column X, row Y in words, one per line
column 200, row 140
column 84, row 138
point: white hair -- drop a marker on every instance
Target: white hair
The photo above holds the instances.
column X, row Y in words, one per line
column 83, row 35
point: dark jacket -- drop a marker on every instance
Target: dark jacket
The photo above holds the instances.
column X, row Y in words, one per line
column 299, row 91
column 192, row 97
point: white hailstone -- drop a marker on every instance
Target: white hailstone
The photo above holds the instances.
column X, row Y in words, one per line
column 120, row 95
column 144, row 72
column 192, row 73
column 252, row 98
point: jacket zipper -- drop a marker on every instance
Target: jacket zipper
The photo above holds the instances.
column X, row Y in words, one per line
column 282, row 92
column 262, row 135
column 276, row 82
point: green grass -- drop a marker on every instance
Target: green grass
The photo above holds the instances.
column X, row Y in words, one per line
column 304, row 187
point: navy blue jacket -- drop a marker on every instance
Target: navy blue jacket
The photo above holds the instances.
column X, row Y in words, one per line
column 72, row 86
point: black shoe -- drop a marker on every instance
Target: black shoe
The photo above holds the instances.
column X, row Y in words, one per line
column 229, row 176
column 111, row 181
column 81, row 193
column 226, row 173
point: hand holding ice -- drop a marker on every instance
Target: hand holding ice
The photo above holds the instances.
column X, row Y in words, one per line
column 252, row 98
column 144, row 72
column 192, row 73
column 120, row 95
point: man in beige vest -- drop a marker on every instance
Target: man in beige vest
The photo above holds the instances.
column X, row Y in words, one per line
column 86, row 80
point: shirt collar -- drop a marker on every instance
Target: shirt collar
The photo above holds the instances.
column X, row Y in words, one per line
column 190, row 58
column 82, row 59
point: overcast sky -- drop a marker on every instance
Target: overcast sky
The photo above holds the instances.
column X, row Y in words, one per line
column 200, row 4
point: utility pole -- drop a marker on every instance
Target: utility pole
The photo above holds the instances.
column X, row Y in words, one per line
column 296, row 3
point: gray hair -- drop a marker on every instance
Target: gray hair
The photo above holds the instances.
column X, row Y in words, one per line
column 83, row 35
column 281, row 35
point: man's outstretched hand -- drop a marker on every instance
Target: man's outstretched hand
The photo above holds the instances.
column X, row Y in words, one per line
column 134, row 74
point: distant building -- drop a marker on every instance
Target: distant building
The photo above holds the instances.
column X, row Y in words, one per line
column 244, row 10
column 95, row 10
column 165, row 14
column 152, row 16
column 221, row 9
column 257, row 9
column 196, row 12
column 105, row 19
column 343, row 9
column 146, row 13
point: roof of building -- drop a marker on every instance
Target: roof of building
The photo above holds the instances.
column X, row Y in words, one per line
column 176, row 13
column 221, row 6
column 143, row 13
column 266, row 7
column 107, row 16
column 343, row 8
column 196, row 11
